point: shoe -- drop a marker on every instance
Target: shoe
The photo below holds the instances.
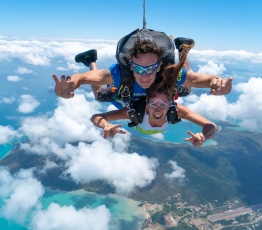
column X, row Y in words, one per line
column 179, row 41
column 87, row 57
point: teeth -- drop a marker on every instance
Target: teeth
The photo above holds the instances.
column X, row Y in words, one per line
column 157, row 116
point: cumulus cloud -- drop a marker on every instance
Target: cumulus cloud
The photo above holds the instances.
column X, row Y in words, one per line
column 248, row 108
column 177, row 173
column 21, row 197
column 123, row 170
column 23, row 70
column 225, row 56
column 56, row 217
column 98, row 159
column 7, row 134
column 212, row 107
column 20, row 194
column 27, row 104
column 212, row 68
column 43, row 52
column 14, row 78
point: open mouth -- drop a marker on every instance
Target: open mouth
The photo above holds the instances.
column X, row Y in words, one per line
column 157, row 116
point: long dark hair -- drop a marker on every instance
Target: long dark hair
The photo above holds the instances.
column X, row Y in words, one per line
column 169, row 74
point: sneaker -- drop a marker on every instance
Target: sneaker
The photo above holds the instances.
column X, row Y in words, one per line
column 179, row 41
column 87, row 57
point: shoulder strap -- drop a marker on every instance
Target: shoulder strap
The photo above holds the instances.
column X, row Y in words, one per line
column 122, row 54
column 172, row 116
column 136, row 114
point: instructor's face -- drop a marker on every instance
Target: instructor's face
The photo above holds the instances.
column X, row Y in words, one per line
column 145, row 68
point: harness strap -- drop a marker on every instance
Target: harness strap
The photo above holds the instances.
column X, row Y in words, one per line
column 137, row 111
column 172, row 116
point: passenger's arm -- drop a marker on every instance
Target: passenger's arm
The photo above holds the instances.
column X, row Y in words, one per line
column 208, row 128
column 101, row 121
column 66, row 86
column 218, row 85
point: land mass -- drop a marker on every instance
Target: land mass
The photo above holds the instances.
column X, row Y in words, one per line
column 218, row 179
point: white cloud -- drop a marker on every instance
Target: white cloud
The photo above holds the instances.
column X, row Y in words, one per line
column 248, row 108
column 212, row 107
column 177, row 173
column 212, row 68
column 7, row 100
column 7, row 134
column 99, row 159
column 124, row 171
column 225, row 56
column 20, row 194
column 27, row 104
column 23, row 70
column 56, row 217
column 14, row 78
column 43, row 52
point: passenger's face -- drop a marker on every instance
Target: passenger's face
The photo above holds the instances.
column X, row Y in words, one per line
column 149, row 60
column 157, row 107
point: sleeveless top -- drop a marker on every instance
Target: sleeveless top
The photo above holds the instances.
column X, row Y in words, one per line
column 146, row 128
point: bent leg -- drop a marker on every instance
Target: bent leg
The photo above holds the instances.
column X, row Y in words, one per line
column 89, row 58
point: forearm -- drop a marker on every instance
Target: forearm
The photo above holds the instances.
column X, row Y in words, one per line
column 99, row 121
column 208, row 128
column 94, row 77
column 198, row 80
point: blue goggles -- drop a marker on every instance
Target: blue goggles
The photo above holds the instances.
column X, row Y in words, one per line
column 145, row 69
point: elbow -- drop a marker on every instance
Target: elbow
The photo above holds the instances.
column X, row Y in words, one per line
column 209, row 130
column 92, row 119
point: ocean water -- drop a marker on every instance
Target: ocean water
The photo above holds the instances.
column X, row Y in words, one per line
column 125, row 213
column 5, row 149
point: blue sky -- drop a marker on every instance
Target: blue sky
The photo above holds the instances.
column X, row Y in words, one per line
column 219, row 25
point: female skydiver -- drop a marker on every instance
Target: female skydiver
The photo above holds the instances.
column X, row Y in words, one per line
column 155, row 118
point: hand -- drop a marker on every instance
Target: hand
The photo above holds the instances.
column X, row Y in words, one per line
column 65, row 87
column 221, row 86
column 196, row 139
column 111, row 130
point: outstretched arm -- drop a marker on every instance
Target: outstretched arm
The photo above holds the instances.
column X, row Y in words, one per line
column 101, row 121
column 66, row 86
column 218, row 85
column 208, row 128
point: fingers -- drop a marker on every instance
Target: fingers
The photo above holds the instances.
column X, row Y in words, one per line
column 55, row 78
column 196, row 139
column 71, row 94
column 119, row 130
column 221, row 86
column 63, row 78
column 111, row 130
